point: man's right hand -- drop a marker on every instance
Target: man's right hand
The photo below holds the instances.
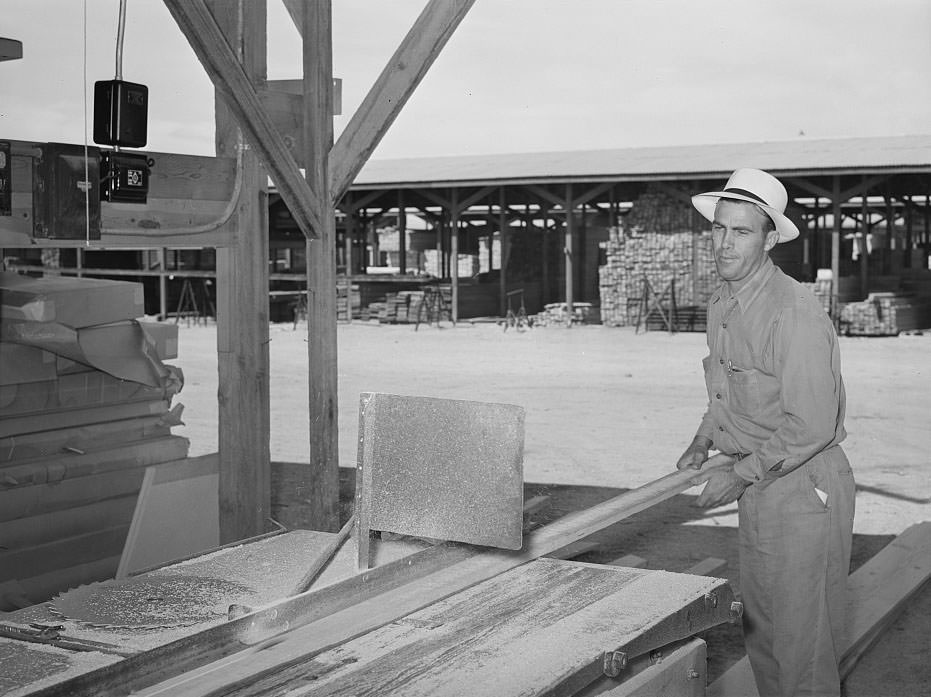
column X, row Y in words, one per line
column 695, row 455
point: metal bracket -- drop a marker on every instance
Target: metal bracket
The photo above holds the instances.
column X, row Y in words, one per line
column 737, row 611
column 711, row 601
column 614, row 663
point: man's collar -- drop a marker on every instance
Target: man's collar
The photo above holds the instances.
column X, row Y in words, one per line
column 751, row 289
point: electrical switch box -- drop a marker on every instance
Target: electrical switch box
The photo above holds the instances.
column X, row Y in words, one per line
column 124, row 177
column 66, row 192
column 120, row 113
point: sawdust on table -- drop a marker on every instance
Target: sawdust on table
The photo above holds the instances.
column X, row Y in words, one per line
column 150, row 602
column 25, row 668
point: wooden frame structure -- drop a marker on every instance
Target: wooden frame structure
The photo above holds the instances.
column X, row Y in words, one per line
column 222, row 202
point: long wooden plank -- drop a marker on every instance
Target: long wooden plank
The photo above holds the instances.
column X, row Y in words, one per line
column 391, row 90
column 538, row 629
column 71, row 465
column 365, row 601
column 876, row 593
column 231, row 81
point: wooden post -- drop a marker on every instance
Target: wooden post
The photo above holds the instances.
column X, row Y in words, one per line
column 568, row 255
column 316, row 503
column 454, row 253
column 864, row 252
column 242, row 305
column 545, row 261
column 402, row 234
column 835, row 246
column 503, row 241
column 348, row 239
column 162, row 285
column 79, row 260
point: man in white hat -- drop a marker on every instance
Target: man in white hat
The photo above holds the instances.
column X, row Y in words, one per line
column 776, row 416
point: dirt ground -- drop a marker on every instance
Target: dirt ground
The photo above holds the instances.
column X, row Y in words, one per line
column 607, row 410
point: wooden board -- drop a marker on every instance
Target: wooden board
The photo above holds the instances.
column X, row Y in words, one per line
column 541, row 628
column 876, row 593
column 176, row 515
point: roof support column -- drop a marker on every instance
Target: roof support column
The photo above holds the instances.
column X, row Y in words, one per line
column 402, row 234
column 835, row 246
column 568, row 254
column 864, row 251
column 316, row 499
column 503, row 241
column 242, row 306
column 454, row 253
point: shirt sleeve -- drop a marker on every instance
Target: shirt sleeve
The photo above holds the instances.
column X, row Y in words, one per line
column 807, row 363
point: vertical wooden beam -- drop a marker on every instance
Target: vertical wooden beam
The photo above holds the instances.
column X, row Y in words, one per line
column 162, row 285
column 402, row 233
column 864, row 251
column 568, row 255
column 545, row 261
column 317, row 506
column 454, row 253
column 835, row 246
column 242, row 304
column 348, row 239
column 503, row 241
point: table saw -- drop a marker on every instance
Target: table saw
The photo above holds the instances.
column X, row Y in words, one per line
column 427, row 619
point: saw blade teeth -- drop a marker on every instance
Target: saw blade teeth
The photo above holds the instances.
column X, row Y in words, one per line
column 149, row 602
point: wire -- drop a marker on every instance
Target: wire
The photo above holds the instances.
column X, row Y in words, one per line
column 87, row 186
column 121, row 29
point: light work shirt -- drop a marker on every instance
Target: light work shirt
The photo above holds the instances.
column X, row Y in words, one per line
column 775, row 393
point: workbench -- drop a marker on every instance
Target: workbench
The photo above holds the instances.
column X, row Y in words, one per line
column 545, row 626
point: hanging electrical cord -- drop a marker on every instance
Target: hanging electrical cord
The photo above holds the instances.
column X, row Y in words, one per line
column 87, row 187
column 120, row 31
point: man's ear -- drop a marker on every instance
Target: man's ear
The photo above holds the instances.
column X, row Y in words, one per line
column 772, row 237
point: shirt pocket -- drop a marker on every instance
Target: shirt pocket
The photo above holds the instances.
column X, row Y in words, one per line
column 744, row 388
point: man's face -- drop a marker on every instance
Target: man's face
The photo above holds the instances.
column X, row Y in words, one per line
column 740, row 243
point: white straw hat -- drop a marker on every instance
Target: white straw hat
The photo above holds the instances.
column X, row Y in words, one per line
column 754, row 186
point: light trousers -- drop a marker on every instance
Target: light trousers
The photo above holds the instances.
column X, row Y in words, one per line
column 794, row 561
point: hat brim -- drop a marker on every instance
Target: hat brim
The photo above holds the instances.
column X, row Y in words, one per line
column 705, row 203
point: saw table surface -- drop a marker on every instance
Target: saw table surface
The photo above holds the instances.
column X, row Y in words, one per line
column 540, row 628
column 255, row 573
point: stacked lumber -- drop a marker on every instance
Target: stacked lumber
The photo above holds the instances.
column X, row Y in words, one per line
column 348, row 301
column 558, row 314
column 885, row 314
column 85, row 406
column 656, row 242
column 821, row 289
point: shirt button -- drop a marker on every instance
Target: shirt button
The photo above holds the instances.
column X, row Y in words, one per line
column 721, row 361
column 718, row 396
column 723, row 325
column 720, row 428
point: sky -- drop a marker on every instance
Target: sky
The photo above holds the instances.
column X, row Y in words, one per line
column 517, row 75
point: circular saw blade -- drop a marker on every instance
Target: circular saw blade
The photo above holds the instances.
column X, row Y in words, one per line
column 150, row 602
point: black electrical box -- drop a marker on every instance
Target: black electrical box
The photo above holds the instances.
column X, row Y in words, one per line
column 124, row 177
column 120, row 113
column 66, row 199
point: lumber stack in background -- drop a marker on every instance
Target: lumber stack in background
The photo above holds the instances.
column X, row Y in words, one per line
column 885, row 314
column 657, row 241
column 75, row 438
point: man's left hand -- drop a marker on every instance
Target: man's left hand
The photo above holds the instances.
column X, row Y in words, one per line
column 724, row 486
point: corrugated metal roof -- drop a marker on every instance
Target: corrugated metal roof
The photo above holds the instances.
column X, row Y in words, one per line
column 803, row 155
